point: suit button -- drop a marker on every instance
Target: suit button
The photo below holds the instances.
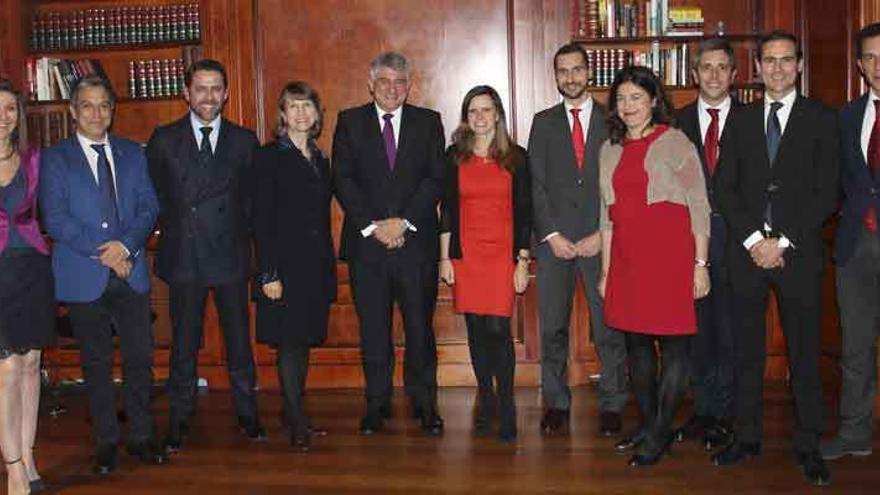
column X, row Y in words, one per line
column 580, row 182
column 193, row 209
column 104, row 225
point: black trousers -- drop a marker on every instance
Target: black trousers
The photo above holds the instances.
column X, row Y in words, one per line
column 711, row 349
column 492, row 356
column 657, row 397
column 187, row 313
column 129, row 313
column 375, row 288
column 798, row 287
column 293, row 367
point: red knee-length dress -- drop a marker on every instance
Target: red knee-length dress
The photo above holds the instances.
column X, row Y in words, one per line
column 484, row 273
column 650, row 286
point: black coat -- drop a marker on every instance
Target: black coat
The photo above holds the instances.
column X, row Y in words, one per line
column 204, row 212
column 521, row 203
column 293, row 243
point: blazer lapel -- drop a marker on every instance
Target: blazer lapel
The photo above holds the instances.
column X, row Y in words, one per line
column 373, row 135
column 759, row 134
column 121, row 179
column 855, row 140
column 80, row 164
column 405, row 136
column 561, row 128
column 594, row 140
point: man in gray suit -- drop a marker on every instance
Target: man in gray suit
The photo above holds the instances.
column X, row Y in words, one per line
column 564, row 155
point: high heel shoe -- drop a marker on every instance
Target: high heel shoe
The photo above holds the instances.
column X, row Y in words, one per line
column 653, row 458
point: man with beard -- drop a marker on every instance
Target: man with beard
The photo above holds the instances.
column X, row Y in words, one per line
column 200, row 166
column 564, row 156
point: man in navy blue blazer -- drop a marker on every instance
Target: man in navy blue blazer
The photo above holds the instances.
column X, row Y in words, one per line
column 99, row 207
column 858, row 256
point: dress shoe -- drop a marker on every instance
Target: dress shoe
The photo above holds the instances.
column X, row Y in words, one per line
column 38, row 486
column 385, row 411
column 147, row 452
column 174, row 438
column 609, row 423
column 554, row 420
column 631, row 441
column 252, row 429
column 716, row 435
column 692, row 429
column 651, row 458
column 837, row 447
column 815, row 470
column 301, row 441
column 105, row 459
column 431, row 422
column 373, row 422
column 736, row 452
column 317, row 432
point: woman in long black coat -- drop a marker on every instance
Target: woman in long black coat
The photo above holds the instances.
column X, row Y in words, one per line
column 296, row 278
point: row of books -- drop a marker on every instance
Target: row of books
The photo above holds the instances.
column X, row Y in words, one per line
column 748, row 95
column 50, row 79
column 126, row 25
column 155, row 78
column 594, row 19
column 672, row 65
column 46, row 128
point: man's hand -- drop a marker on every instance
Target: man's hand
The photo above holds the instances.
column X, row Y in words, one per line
column 273, row 290
column 589, row 246
column 562, row 247
column 390, row 232
column 122, row 269
column 111, row 253
column 767, row 254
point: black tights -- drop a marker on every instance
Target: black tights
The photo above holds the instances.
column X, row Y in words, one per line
column 657, row 407
column 491, row 348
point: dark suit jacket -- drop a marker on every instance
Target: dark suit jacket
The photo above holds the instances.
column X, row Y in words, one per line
column 688, row 120
column 70, row 201
column 293, row 242
column 805, row 171
column 521, row 202
column 369, row 190
column 565, row 199
column 860, row 189
column 204, row 216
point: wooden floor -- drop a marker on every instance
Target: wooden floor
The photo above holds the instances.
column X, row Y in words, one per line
column 218, row 461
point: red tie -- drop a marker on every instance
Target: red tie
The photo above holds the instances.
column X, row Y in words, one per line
column 577, row 137
column 710, row 147
column 873, row 164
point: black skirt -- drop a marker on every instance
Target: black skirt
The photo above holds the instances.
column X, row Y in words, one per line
column 27, row 301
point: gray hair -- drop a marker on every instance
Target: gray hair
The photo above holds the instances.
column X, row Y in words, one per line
column 391, row 60
column 92, row 81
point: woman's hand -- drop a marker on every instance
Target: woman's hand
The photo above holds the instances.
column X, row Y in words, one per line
column 702, row 285
column 521, row 277
column 273, row 290
column 603, row 279
column 447, row 272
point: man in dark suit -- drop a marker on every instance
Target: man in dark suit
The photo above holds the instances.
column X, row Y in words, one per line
column 858, row 256
column 775, row 186
column 388, row 161
column 711, row 351
column 564, row 156
column 99, row 206
column 201, row 166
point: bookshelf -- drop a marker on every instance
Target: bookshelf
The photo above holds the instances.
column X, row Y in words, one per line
column 662, row 35
column 141, row 46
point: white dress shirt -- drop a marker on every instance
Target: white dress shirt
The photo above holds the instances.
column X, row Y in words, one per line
column 197, row 131
column 706, row 119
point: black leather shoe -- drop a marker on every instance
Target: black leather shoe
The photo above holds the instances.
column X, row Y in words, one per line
column 301, row 441
column 385, row 411
column 373, row 422
column 630, row 441
column 252, row 429
column 736, row 452
column 147, row 452
column 431, row 422
column 105, row 459
column 815, row 470
column 649, row 459
column 554, row 420
column 716, row 435
column 174, row 438
column 692, row 429
column 609, row 423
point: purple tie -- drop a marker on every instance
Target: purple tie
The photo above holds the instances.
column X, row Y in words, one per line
column 388, row 137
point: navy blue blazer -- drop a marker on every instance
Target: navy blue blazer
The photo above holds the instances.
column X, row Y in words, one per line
column 860, row 189
column 70, row 202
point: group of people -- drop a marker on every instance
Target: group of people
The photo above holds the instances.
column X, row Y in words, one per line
column 676, row 222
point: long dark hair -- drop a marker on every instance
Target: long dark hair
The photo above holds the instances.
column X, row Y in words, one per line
column 18, row 138
column 647, row 80
column 501, row 148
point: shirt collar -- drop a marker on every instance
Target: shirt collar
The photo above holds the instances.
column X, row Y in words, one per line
column 585, row 107
column 86, row 143
column 197, row 124
column 787, row 100
column 396, row 113
column 704, row 107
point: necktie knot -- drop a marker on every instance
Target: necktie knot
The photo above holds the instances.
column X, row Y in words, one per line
column 99, row 149
column 713, row 113
column 774, row 107
column 206, row 133
column 575, row 112
column 387, row 117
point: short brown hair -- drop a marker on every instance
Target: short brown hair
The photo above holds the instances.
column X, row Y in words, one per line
column 299, row 90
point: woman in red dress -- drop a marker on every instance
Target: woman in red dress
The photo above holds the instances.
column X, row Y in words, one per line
column 484, row 247
column 655, row 233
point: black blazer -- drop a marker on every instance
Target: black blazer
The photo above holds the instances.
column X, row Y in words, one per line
column 293, row 242
column 688, row 120
column 521, row 201
column 805, row 172
column 860, row 188
column 204, row 211
column 369, row 190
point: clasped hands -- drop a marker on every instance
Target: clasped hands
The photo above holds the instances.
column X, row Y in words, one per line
column 767, row 254
column 390, row 232
column 114, row 255
column 587, row 247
